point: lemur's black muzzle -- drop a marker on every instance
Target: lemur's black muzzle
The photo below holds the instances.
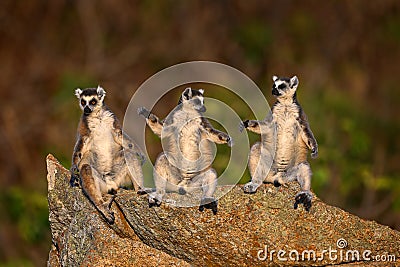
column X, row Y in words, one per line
column 275, row 91
column 203, row 109
column 87, row 110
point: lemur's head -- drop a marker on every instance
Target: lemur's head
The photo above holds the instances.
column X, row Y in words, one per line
column 284, row 88
column 192, row 98
column 90, row 99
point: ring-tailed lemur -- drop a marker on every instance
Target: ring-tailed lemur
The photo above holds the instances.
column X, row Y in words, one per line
column 104, row 156
column 292, row 141
column 186, row 161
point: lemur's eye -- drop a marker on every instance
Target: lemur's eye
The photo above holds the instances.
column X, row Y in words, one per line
column 93, row 102
column 282, row 86
column 83, row 102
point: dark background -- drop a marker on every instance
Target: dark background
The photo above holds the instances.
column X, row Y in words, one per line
column 345, row 53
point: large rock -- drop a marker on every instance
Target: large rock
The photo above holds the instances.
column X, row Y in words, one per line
column 245, row 227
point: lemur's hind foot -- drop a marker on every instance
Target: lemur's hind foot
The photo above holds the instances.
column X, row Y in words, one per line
column 144, row 191
column 74, row 181
column 209, row 203
column 155, row 200
column 304, row 198
column 250, row 188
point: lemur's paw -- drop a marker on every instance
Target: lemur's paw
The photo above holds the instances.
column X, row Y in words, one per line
column 230, row 141
column 250, row 188
column 247, row 124
column 112, row 191
column 152, row 118
column 242, row 126
column 209, row 203
column 304, row 198
column 154, row 200
column 224, row 137
column 74, row 181
column 154, row 203
column 314, row 153
column 144, row 191
column 142, row 111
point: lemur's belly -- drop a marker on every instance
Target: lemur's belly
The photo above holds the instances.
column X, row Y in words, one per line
column 286, row 147
column 190, row 157
column 193, row 161
column 189, row 141
column 104, row 148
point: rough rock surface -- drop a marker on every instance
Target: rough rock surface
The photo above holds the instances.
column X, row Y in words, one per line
column 244, row 226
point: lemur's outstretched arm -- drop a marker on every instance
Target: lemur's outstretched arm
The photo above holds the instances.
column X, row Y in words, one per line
column 215, row 135
column 251, row 125
column 254, row 125
column 152, row 121
column 120, row 137
column 118, row 134
column 124, row 140
column 307, row 134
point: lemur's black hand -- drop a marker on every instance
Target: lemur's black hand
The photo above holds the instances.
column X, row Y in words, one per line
column 243, row 125
column 142, row 111
column 74, row 181
column 224, row 137
column 229, row 141
column 314, row 152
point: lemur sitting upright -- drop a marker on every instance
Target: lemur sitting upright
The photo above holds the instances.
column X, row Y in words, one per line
column 186, row 161
column 104, row 156
column 292, row 141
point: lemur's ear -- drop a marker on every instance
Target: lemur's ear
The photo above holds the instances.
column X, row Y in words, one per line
column 101, row 92
column 294, row 82
column 78, row 92
column 274, row 78
column 201, row 91
column 187, row 94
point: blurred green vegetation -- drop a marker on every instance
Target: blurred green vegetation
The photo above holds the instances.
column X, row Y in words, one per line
column 345, row 54
column 27, row 211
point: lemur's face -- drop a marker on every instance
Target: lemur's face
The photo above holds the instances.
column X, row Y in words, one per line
column 284, row 87
column 90, row 99
column 192, row 98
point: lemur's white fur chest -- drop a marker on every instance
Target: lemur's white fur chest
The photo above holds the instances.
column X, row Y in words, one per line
column 285, row 118
column 102, row 143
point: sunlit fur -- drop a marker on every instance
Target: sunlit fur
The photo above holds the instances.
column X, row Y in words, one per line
column 103, row 155
column 287, row 125
column 184, row 164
